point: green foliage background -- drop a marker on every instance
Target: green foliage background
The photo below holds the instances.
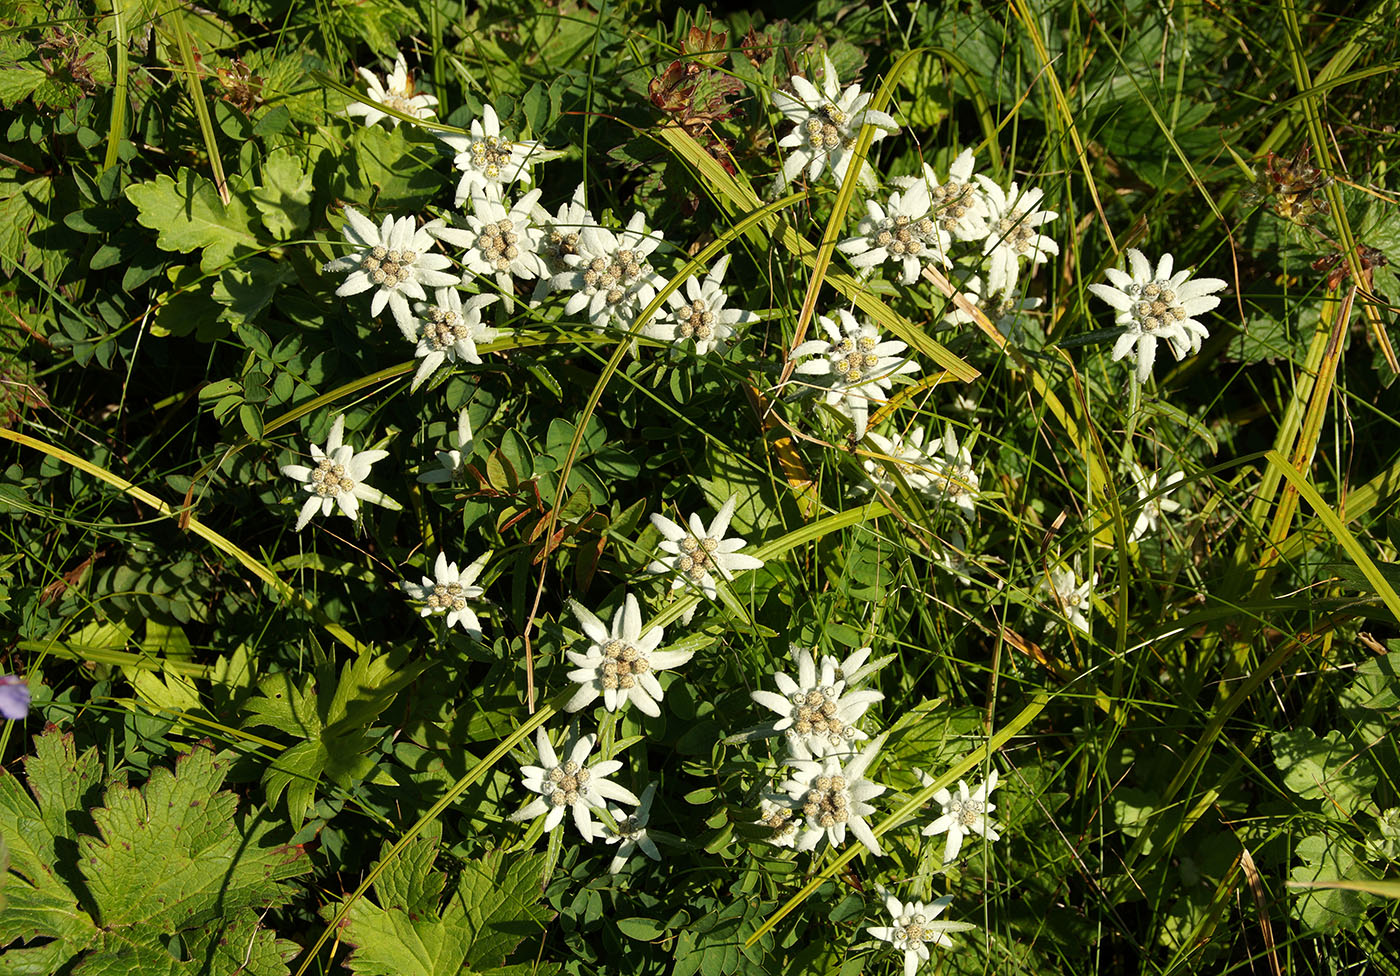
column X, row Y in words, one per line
column 248, row 723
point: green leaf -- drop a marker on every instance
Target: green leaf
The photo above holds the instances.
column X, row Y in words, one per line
column 189, row 215
column 247, row 288
column 1323, row 908
column 404, row 932
column 283, row 200
column 1317, row 768
column 172, row 857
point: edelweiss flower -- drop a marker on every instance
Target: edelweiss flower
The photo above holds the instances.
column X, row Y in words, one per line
column 1154, row 305
column 489, row 162
column 620, row 663
column 559, row 237
column 393, row 258
column 397, row 92
column 942, row 471
column 1012, row 219
column 777, row 817
column 447, row 591
column 500, row 242
column 1071, row 596
column 572, row 785
column 832, row 796
column 827, row 125
column 700, row 553
column 451, row 463
column 901, row 231
column 964, row 814
column 14, row 697
column 701, row 317
column 856, row 366
column 609, row 275
column 816, row 710
column 956, row 206
column 448, row 331
column 632, row 831
column 338, row 478
column 1153, row 503
column 1006, row 309
column 913, row 928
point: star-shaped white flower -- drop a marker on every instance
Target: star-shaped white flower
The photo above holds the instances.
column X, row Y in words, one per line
column 447, row 331
column 338, row 479
column 559, row 237
column 913, row 927
column 777, row 817
column 852, row 366
column 956, row 205
column 828, row 122
column 397, row 92
column 1156, row 304
column 1153, row 503
column 501, row 243
column 448, row 590
column 570, row 786
column 1006, row 310
column 610, row 275
column 816, row 709
column 698, row 554
column 963, row 814
column 392, row 258
column 1012, row 219
column 488, row 161
column 451, row 463
column 831, row 796
column 699, row 316
column 1072, row 598
column 900, row 231
column 631, row 832
column 939, row 471
column 620, row 664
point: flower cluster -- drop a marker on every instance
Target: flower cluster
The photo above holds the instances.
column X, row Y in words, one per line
column 507, row 255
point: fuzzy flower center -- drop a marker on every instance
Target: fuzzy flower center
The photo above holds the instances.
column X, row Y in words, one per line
column 779, row 819
column 622, row 663
column 444, row 328
column 951, row 203
column 614, row 276
column 697, row 556
column 697, row 321
column 902, row 236
column 388, row 267
column 854, row 359
column 817, row 712
column 1013, row 232
column 827, row 802
column 557, row 245
column 1157, row 305
column 329, row 479
column 497, row 243
column 447, row 596
column 629, row 829
column 827, row 129
column 489, row 155
column 401, row 101
column 910, row 930
column 566, row 783
column 967, row 813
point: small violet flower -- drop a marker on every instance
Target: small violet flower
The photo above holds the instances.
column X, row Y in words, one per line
column 14, row 697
